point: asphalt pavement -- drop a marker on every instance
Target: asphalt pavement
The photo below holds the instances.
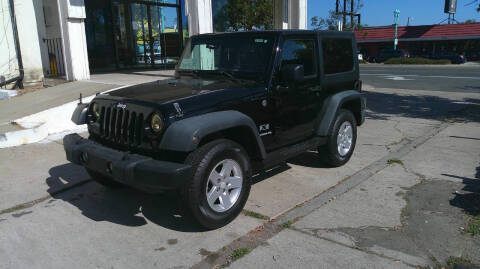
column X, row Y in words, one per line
column 450, row 78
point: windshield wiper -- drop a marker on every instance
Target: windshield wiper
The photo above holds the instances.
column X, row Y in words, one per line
column 193, row 73
column 227, row 74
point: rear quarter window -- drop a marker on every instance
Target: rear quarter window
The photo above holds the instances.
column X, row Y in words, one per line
column 337, row 55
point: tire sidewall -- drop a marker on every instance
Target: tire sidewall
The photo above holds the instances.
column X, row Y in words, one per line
column 342, row 116
column 201, row 209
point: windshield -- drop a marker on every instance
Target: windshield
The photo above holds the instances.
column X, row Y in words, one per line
column 237, row 55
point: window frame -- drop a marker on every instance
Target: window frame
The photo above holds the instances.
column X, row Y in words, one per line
column 316, row 59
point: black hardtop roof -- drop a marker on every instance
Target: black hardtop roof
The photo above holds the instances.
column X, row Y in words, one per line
column 284, row 32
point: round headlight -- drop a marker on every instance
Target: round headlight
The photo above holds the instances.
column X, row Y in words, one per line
column 156, row 123
column 95, row 111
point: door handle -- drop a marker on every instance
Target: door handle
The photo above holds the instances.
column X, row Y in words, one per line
column 282, row 89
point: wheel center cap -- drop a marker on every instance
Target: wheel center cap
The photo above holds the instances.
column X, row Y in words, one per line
column 222, row 185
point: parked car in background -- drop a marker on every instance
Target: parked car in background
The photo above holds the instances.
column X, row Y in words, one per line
column 455, row 58
column 388, row 54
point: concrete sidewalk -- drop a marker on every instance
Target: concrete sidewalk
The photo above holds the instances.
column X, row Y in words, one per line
column 34, row 102
column 319, row 217
column 44, row 112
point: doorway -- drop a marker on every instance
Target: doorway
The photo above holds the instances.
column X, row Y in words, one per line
column 144, row 34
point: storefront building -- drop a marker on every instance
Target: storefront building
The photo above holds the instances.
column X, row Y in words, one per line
column 127, row 34
column 423, row 41
column 77, row 37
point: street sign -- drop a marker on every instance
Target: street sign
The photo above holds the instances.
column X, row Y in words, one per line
column 450, row 6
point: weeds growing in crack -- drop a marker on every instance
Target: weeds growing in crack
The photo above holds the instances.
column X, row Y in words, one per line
column 238, row 253
column 452, row 263
column 395, row 160
column 255, row 215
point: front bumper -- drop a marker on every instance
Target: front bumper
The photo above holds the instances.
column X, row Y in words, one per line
column 135, row 170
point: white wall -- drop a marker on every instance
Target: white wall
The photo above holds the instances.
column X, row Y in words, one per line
column 8, row 57
column 297, row 14
column 199, row 14
column 72, row 26
column 52, row 27
column 31, row 30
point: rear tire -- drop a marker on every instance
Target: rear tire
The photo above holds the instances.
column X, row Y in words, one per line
column 341, row 140
column 222, row 173
column 103, row 180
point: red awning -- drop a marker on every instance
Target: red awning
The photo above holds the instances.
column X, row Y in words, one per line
column 424, row 32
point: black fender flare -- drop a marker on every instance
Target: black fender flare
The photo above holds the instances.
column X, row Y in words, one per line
column 79, row 115
column 330, row 107
column 185, row 135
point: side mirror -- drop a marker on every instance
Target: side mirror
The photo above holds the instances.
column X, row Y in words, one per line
column 292, row 73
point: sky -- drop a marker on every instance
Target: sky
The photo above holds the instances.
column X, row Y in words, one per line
column 380, row 12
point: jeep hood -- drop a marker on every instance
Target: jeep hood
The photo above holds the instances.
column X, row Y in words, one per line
column 191, row 93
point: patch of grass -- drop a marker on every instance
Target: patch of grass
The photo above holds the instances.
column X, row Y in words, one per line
column 255, row 215
column 417, row 60
column 15, row 208
column 453, row 262
column 473, row 226
column 238, row 253
column 395, row 160
column 287, row 224
column 362, row 62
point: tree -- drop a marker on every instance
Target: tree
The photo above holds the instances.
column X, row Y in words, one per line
column 329, row 23
column 477, row 4
column 247, row 15
column 470, row 21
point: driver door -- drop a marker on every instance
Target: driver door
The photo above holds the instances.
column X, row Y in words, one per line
column 296, row 103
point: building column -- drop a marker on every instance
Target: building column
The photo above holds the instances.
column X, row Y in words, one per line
column 72, row 27
column 290, row 14
column 199, row 14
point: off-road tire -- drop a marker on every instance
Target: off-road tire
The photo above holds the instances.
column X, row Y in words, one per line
column 193, row 193
column 103, row 180
column 329, row 152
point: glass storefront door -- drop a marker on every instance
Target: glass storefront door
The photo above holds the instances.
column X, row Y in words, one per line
column 165, row 35
column 143, row 34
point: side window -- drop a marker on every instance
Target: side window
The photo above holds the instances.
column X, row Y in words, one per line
column 337, row 55
column 300, row 52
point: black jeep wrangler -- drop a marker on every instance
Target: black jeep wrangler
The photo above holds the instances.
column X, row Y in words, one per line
column 239, row 103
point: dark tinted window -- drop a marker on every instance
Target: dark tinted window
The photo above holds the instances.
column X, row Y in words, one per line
column 337, row 55
column 300, row 52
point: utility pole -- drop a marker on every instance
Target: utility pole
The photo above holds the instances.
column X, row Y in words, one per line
column 396, row 15
column 346, row 13
column 351, row 14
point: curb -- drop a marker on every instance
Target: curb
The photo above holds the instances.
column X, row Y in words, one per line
column 55, row 120
column 21, row 137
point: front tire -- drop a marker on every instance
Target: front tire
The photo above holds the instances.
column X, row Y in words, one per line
column 220, row 185
column 341, row 140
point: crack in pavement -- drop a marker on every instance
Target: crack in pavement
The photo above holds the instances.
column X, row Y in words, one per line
column 262, row 234
column 42, row 199
column 352, row 247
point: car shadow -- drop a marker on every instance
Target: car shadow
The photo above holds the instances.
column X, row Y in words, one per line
column 469, row 198
column 383, row 106
column 309, row 159
column 123, row 206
